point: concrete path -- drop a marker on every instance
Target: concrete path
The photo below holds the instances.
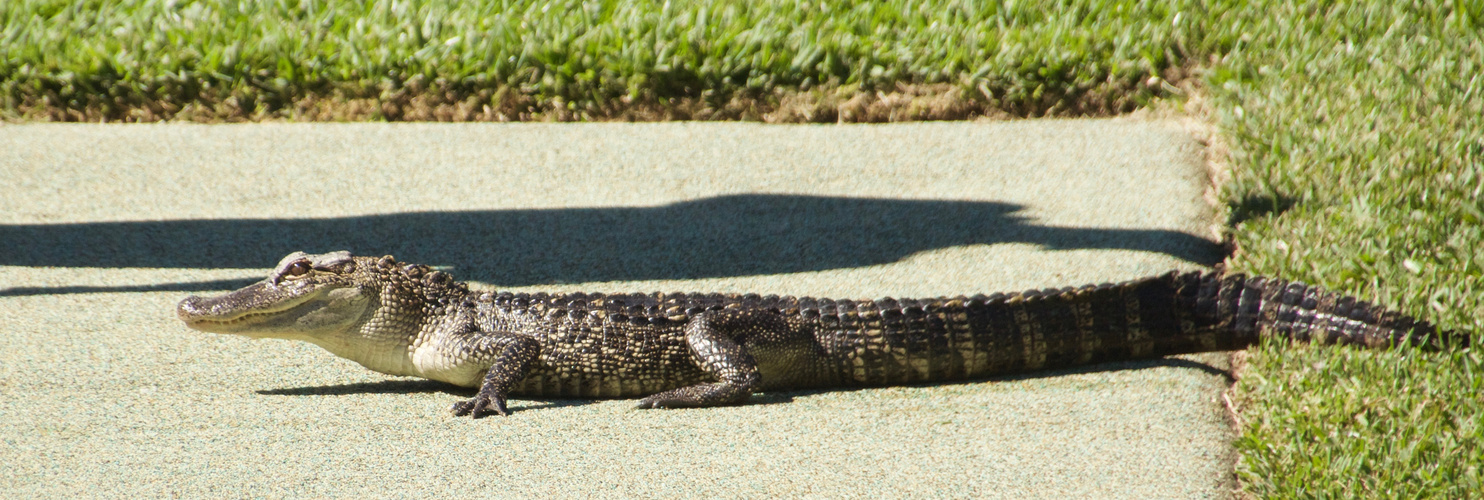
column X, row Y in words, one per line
column 104, row 228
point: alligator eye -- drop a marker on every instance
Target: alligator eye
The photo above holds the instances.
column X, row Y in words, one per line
column 299, row 268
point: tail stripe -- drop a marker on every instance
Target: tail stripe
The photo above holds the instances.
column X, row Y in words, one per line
column 1243, row 327
column 1307, row 321
column 1136, row 338
column 1288, row 300
column 1194, row 331
column 1340, row 321
column 1316, row 319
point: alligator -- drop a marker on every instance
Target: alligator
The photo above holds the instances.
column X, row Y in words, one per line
column 697, row 350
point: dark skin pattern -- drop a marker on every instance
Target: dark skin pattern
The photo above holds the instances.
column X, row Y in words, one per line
column 697, row 350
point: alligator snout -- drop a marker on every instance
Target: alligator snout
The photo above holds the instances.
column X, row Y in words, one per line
column 189, row 308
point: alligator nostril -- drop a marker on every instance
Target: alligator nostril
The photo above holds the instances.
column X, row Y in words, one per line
column 187, row 306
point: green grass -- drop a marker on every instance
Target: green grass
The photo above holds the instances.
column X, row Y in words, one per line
column 106, row 59
column 1355, row 130
column 1366, row 124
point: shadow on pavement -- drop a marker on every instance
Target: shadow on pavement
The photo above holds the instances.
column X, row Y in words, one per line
column 404, row 386
column 191, row 286
column 736, row 235
column 1114, row 366
column 390, row 386
column 408, row 386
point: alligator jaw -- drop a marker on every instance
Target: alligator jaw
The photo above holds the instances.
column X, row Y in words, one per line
column 265, row 309
column 305, row 297
column 238, row 310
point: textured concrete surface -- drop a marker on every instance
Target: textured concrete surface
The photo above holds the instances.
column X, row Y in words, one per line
column 104, row 228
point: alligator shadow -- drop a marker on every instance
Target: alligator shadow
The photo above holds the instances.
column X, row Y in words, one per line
column 394, row 386
column 417, row 386
column 760, row 399
column 1108, row 367
column 735, row 235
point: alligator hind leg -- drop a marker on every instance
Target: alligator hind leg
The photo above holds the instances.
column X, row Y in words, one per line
column 723, row 343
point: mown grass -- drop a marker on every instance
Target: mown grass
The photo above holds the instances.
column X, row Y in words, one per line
column 571, row 59
column 1355, row 130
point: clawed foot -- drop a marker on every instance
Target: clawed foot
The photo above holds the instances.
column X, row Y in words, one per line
column 657, row 401
column 696, row 396
column 475, row 407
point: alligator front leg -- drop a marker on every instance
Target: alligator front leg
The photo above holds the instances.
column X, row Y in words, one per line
column 720, row 342
column 513, row 355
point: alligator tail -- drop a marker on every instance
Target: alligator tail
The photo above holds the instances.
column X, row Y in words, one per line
column 1250, row 308
column 904, row 341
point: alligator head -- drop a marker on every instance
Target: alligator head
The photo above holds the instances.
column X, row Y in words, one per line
column 306, row 296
